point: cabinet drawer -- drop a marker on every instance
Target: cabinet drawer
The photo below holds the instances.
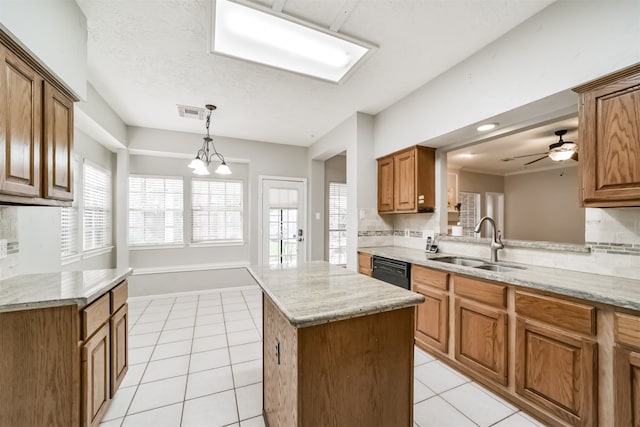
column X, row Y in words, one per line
column 486, row 292
column 426, row 276
column 568, row 315
column 119, row 296
column 94, row 316
column 627, row 330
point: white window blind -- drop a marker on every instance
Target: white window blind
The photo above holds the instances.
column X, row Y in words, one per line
column 337, row 223
column 70, row 219
column 96, row 207
column 69, row 231
column 155, row 210
column 216, row 210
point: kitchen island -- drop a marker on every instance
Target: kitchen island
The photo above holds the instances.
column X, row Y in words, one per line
column 338, row 347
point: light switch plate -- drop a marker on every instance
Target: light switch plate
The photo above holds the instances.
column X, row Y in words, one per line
column 317, row 215
column 3, row 248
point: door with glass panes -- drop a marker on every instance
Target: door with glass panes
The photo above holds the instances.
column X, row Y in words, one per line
column 283, row 221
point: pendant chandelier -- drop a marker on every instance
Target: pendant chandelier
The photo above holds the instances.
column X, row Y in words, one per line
column 207, row 152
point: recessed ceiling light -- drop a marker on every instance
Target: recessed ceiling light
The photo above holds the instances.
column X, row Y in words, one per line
column 487, row 126
column 280, row 41
column 467, row 155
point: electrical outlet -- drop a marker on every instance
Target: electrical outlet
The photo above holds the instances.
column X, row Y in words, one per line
column 406, row 232
column 428, row 234
column 3, row 248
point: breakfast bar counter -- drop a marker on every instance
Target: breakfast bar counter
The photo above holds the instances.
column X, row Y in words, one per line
column 338, row 347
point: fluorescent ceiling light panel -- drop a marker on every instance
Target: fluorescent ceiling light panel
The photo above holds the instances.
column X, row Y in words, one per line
column 283, row 42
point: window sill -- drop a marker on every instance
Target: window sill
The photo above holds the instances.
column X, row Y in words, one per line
column 154, row 247
column 70, row 259
column 219, row 243
column 96, row 252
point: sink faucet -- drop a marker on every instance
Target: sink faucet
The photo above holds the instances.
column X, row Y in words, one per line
column 496, row 243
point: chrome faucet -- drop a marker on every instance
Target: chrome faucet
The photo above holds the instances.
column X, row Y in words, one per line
column 496, row 243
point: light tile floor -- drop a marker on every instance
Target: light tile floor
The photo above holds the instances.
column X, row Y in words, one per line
column 196, row 361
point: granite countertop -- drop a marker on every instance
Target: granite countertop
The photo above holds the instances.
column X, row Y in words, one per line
column 317, row 292
column 616, row 291
column 81, row 288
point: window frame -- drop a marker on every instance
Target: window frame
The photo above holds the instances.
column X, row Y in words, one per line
column 336, row 230
column 217, row 242
column 164, row 245
column 86, row 253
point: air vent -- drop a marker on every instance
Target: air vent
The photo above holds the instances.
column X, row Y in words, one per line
column 191, row 112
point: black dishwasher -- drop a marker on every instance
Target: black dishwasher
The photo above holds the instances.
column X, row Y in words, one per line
column 392, row 271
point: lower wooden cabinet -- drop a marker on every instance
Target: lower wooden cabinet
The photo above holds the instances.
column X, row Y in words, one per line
column 364, row 264
column 555, row 370
column 481, row 339
column 119, row 345
column 432, row 317
column 627, row 370
column 96, row 377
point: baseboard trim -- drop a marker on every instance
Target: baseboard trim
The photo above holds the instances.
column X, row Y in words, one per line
column 190, row 293
column 194, row 267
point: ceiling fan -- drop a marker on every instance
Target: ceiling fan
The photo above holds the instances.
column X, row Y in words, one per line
column 558, row 151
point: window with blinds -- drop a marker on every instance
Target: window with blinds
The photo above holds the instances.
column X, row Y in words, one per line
column 96, row 207
column 216, row 210
column 337, row 223
column 69, row 231
column 70, row 219
column 155, row 210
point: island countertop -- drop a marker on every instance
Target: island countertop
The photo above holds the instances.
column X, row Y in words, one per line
column 28, row 291
column 317, row 292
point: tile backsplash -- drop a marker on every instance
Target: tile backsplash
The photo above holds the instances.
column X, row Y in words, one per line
column 613, row 235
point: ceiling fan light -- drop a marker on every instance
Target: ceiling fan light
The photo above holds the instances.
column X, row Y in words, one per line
column 223, row 169
column 569, row 146
column 558, row 156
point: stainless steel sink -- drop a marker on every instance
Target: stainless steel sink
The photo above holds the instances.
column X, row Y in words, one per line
column 467, row 262
column 478, row 263
column 499, row 268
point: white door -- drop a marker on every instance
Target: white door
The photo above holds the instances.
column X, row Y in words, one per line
column 283, row 221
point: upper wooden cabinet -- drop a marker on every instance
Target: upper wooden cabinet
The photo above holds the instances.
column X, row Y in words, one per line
column 609, row 138
column 406, row 181
column 36, row 131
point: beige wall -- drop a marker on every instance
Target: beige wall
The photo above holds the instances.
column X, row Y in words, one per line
column 335, row 170
column 544, row 206
column 473, row 182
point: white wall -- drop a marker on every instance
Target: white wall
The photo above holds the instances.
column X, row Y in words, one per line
column 262, row 159
column 566, row 44
column 55, row 32
column 96, row 118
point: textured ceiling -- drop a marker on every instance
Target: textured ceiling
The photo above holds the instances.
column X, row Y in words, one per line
column 146, row 56
column 487, row 156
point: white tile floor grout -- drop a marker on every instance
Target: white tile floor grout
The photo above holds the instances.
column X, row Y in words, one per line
column 196, row 360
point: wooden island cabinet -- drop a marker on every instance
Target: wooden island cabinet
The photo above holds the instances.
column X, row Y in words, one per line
column 338, row 348
column 61, row 366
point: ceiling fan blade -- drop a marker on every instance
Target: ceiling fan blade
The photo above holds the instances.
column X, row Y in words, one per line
column 536, row 160
column 529, row 155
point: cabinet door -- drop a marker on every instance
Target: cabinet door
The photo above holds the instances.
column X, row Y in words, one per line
column 119, row 344
column 556, row 371
column 58, row 138
column 610, row 144
column 627, row 387
column 404, row 185
column 481, row 339
column 385, row 184
column 95, row 376
column 20, row 127
column 432, row 319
